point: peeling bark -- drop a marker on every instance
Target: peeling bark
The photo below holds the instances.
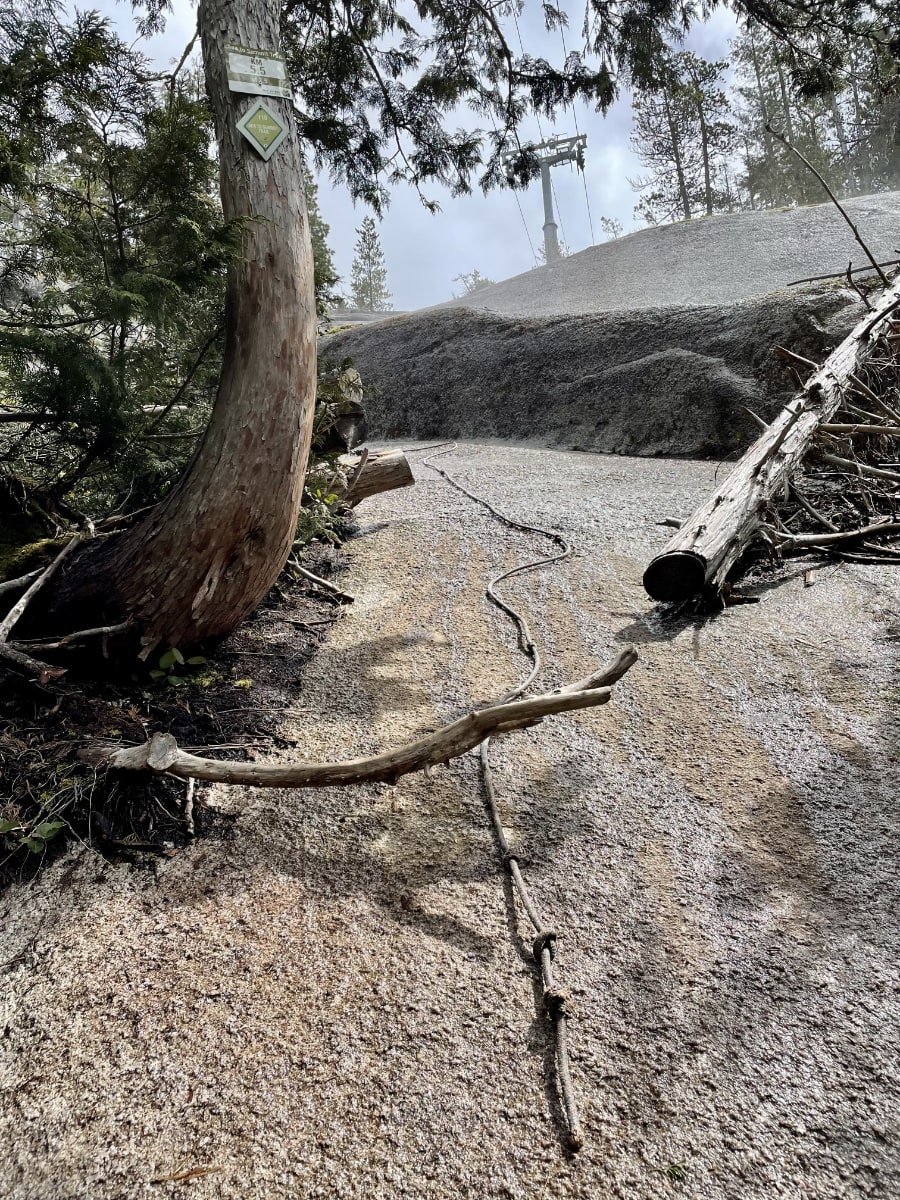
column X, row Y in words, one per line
column 205, row 557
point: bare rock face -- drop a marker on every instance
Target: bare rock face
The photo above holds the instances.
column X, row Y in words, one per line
column 665, row 381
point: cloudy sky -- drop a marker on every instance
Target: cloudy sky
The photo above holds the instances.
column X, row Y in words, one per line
column 425, row 252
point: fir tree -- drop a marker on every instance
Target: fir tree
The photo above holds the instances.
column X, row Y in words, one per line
column 368, row 275
column 323, row 264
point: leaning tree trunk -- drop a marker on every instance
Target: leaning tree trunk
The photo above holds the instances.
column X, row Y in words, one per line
column 712, row 540
column 206, row 556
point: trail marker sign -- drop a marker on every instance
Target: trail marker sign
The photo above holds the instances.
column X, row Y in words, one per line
column 263, row 128
column 259, row 72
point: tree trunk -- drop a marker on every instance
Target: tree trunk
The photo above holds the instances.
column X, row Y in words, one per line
column 206, row 556
column 676, row 157
column 704, row 147
column 785, row 101
column 708, row 545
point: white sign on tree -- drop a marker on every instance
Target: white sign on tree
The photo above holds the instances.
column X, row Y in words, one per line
column 259, row 72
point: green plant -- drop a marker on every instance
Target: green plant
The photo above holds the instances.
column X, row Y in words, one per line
column 338, row 394
column 170, row 664
column 34, row 837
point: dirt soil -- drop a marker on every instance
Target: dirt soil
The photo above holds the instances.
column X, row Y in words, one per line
column 334, row 1002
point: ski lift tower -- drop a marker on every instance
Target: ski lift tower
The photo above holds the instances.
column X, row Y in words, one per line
column 551, row 153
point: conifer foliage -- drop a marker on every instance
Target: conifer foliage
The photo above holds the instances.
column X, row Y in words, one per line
column 368, row 274
column 113, row 263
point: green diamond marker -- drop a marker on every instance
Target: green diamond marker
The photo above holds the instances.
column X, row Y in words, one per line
column 263, row 128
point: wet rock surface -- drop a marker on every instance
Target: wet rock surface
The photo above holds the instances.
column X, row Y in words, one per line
column 335, row 1002
column 671, row 381
column 650, row 344
column 710, row 260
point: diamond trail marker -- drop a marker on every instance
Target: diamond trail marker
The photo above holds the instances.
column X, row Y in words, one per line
column 263, row 128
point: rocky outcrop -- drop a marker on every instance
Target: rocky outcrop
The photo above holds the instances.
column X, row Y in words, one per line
column 673, row 381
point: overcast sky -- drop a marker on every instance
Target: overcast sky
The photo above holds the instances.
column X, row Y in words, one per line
column 425, row 252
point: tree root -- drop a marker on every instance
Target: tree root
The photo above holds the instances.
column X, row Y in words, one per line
column 161, row 752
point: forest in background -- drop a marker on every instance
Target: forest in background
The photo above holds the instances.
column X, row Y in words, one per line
column 701, row 131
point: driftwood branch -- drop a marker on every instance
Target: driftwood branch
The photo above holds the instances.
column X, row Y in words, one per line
column 161, row 752
column 708, row 545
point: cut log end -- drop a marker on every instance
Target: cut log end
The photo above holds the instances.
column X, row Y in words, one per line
column 675, row 576
column 380, row 473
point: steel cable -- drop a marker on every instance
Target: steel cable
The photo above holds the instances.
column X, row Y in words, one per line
column 543, row 946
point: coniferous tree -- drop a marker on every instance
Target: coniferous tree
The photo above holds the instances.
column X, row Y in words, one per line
column 326, row 275
column 368, row 274
column 472, row 281
column 849, row 130
column 112, row 267
column 683, row 134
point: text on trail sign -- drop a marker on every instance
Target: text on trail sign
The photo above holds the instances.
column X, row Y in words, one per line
column 263, row 128
column 259, row 72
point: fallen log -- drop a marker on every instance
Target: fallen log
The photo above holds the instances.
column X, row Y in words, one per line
column 699, row 557
column 161, row 752
column 380, row 473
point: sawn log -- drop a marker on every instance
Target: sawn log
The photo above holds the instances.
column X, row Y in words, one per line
column 711, row 541
column 380, row 473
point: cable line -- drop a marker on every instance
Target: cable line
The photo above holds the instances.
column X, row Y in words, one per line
column 587, row 199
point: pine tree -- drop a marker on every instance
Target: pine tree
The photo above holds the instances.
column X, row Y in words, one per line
column 683, row 134
column 472, row 281
column 368, row 274
column 323, row 264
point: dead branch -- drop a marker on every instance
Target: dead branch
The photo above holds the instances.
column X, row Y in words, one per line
column 811, row 511
column 357, row 471
column 329, row 587
column 6, row 625
column 705, row 549
column 852, row 467
column 793, row 149
column 161, row 753
column 800, row 541
column 23, row 662
column 10, row 585
column 891, row 262
column 875, row 430
column 82, row 635
column 857, row 385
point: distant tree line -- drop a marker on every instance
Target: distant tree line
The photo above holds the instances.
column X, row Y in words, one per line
column 704, row 142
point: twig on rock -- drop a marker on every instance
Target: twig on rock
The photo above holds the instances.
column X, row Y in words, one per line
column 322, row 583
